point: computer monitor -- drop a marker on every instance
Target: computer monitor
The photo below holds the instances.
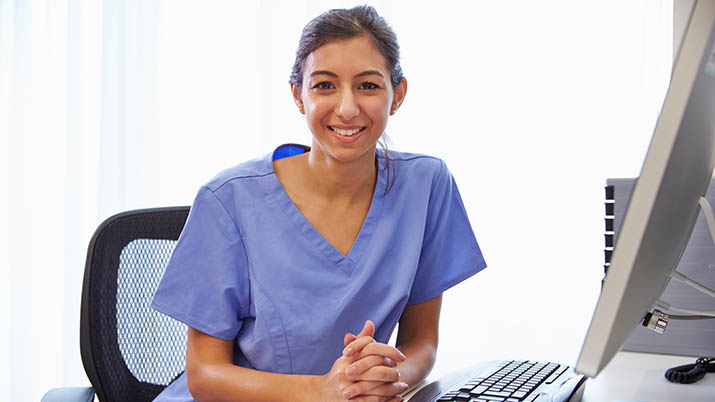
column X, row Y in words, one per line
column 664, row 204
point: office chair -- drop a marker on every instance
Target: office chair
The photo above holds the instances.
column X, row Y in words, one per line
column 129, row 352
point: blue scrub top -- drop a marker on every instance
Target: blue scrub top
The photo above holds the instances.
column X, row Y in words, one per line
column 249, row 267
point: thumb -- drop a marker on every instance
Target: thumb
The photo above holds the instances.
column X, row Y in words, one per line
column 367, row 330
column 349, row 337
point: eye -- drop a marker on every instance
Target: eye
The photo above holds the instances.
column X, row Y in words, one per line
column 323, row 85
column 368, row 85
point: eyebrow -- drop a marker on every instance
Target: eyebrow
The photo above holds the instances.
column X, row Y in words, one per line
column 370, row 72
column 323, row 72
column 332, row 74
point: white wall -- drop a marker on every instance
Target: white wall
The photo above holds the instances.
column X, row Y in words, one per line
column 532, row 106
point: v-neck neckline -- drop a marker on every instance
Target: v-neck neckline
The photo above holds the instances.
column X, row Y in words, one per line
column 346, row 262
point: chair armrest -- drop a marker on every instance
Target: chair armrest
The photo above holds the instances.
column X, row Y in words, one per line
column 73, row 394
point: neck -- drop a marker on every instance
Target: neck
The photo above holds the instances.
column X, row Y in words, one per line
column 347, row 180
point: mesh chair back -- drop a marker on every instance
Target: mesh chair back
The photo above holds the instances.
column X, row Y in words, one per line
column 130, row 352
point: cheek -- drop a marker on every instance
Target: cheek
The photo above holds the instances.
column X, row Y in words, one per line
column 310, row 106
column 385, row 102
column 378, row 110
column 316, row 111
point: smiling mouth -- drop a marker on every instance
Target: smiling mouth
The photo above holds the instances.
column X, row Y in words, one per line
column 347, row 133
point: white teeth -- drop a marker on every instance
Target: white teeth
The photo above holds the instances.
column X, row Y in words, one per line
column 346, row 133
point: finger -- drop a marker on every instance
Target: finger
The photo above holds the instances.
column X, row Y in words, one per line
column 373, row 398
column 368, row 329
column 357, row 345
column 381, row 392
column 357, row 368
column 380, row 349
column 349, row 337
column 378, row 373
column 360, row 388
column 389, row 389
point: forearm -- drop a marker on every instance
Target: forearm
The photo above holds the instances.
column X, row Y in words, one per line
column 419, row 362
column 417, row 338
column 228, row 382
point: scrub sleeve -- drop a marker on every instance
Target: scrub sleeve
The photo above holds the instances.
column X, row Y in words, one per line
column 208, row 290
column 450, row 253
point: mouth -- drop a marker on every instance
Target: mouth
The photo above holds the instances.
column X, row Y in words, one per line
column 347, row 132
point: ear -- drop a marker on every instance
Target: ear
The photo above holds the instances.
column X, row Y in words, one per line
column 297, row 98
column 399, row 96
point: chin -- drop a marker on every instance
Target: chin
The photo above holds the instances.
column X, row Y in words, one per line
column 350, row 155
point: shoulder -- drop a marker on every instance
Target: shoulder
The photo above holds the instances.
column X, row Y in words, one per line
column 233, row 189
column 243, row 173
column 416, row 165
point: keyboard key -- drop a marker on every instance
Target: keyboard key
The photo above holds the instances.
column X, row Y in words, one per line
column 502, row 394
column 479, row 390
column 491, row 398
column 555, row 375
column 466, row 388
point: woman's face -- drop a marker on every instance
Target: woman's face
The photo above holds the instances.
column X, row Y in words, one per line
column 347, row 97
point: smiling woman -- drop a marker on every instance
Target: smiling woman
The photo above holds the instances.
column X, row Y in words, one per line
column 281, row 258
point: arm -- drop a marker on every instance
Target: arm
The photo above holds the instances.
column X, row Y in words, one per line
column 212, row 376
column 417, row 338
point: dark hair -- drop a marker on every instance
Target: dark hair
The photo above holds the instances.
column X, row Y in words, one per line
column 345, row 24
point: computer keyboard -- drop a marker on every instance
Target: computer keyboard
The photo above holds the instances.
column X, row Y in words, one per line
column 506, row 381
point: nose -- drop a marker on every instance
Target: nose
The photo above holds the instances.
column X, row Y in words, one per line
column 347, row 106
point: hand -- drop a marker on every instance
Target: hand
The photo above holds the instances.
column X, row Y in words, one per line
column 372, row 369
column 336, row 385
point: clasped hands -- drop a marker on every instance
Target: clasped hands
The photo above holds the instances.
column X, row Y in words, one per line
column 366, row 372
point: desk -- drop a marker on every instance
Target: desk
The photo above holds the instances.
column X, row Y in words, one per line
column 639, row 377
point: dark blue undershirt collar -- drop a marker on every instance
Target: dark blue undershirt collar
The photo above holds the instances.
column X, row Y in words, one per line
column 287, row 150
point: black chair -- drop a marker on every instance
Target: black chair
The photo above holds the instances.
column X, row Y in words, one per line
column 129, row 352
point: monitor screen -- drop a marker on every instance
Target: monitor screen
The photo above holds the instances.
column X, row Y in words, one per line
column 664, row 204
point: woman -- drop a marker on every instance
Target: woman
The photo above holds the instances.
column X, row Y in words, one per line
column 281, row 257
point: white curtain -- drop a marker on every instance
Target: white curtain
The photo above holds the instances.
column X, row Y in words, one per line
column 113, row 105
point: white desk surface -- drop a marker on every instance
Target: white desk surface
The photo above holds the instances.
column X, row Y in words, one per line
column 640, row 377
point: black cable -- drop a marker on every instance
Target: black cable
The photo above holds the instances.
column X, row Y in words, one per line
column 689, row 373
column 690, row 317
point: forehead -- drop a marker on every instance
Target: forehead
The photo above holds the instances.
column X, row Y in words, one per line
column 346, row 56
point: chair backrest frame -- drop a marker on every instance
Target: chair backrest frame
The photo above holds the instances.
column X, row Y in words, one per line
column 101, row 267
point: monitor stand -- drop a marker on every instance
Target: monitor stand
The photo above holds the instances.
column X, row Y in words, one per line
column 658, row 320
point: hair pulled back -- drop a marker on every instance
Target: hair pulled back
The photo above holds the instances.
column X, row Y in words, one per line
column 345, row 24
